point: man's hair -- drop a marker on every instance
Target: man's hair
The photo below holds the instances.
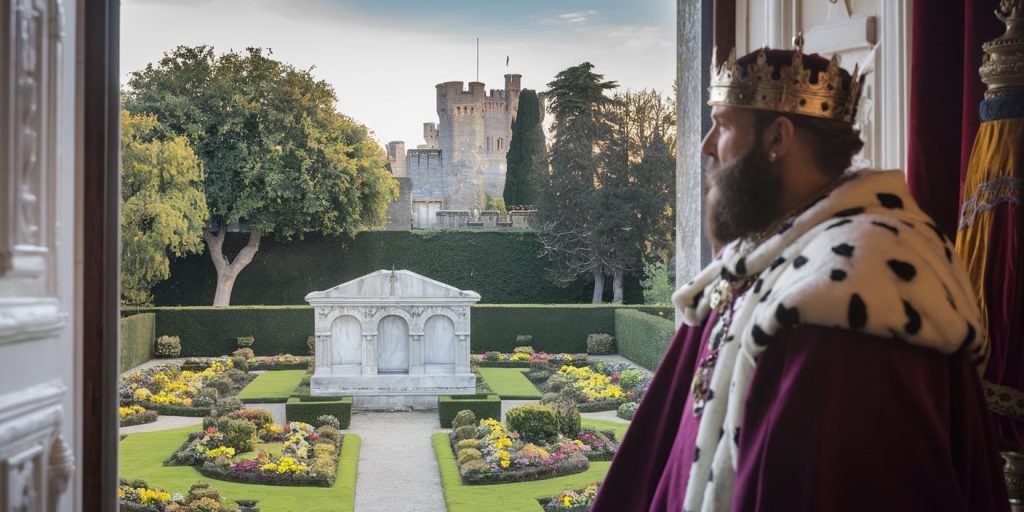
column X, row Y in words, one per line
column 833, row 143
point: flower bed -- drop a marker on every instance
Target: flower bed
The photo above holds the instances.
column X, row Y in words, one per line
column 575, row 500
column 601, row 386
column 489, row 453
column 226, row 451
column 138, row 496
column 523, row 360
column 136, row 415
column 173, row 389
column 279, row 362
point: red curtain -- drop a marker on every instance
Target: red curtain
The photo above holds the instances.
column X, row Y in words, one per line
column 945, row 91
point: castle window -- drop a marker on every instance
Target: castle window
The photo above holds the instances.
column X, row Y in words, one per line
column 499, row 143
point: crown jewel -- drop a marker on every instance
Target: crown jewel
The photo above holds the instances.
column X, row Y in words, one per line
column 754, row 85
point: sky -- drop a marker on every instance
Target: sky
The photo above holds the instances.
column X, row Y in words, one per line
column 384, row 57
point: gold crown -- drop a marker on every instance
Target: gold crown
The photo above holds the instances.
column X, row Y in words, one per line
column 753, row 86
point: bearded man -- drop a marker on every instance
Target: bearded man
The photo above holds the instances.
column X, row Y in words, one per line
column 828, row 361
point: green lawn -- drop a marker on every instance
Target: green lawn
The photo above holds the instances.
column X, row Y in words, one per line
column 520, row 496
column 270, row 387
column 509, row 383
column 143, row 454
column 619, row 428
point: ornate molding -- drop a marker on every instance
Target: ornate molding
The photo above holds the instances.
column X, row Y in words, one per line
column 30, row 319
column 35, row 463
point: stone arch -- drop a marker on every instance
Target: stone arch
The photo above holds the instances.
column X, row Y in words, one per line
column 439, row 341
column 393, row 345
column 346, row 341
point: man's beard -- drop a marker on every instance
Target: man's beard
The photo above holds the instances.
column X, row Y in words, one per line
column 743, row 197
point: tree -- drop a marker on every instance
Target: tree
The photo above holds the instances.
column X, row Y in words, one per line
column 163, row 206
column 527, row 151
column 633, row 222
column 279, row 158
column 566, row 194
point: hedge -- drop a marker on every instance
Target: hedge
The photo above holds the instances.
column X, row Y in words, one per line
column 307, row 412
column 211, row 331
column 502, row 266
column 138, row 335
column 483, row 406
column 643, row 338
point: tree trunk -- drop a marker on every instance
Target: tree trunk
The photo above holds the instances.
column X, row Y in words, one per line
column 598, row 287
column 617, row 286
column 227, row 271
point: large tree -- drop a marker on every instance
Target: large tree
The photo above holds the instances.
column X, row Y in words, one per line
column 279, row 158
column 633, row 223
column 566, row 195
column 527, row 151
column 163, row 208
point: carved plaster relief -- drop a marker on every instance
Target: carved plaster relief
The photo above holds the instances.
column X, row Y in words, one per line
column 35, row 463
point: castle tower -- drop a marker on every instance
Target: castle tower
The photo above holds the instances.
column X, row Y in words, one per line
column 461, row 141
column 512, row 90
column 430, row 135
column 396, row 158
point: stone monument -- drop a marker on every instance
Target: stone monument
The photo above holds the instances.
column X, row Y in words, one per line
column 392, row 339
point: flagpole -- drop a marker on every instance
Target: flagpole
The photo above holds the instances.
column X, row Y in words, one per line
column 478, row 59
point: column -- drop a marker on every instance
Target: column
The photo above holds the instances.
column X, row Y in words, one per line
column 322, row 352
column 462, row 354
column 369, row 354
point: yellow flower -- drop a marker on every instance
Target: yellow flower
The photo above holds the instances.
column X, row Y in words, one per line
column 221, row 450
column 567, row 501
column 142, row 394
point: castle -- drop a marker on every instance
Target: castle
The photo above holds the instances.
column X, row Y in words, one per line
column 462, row 162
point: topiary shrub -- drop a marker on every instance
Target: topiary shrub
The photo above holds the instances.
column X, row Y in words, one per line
column 628, row 379
column 258, row 417
column 247, row 353
column 245, row 341
column 523, row 350
column 475, row 467
column 168, row 346
column 468, row 443
column 464, row 418
column 466, row 432
column 600, row 344
column 524, row 340
column 238, row 434
column 627, row 410
column 237, row 376
column 555, row 383
column 328, row 432
column 206, row 397
column 222, row 384
column 327, row 420
column 548, row 398
column 226, row 406
column 201, row 490
column 535, row 423
column 536, row 376
column 468, row 454
column 311, row 344
column 492, row 356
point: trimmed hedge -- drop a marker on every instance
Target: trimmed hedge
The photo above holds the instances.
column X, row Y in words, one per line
column 502, row 266
column 296, row 409
column 138, row 335
column 212, row 331
column 483, row 406
column 643, row 338
column 176, row 410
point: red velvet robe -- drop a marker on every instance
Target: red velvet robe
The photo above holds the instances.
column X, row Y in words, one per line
column 835, row 420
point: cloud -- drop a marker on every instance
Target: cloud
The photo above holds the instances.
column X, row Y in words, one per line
column 577, row 17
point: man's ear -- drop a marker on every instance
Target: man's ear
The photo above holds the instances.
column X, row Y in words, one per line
column 778, row 137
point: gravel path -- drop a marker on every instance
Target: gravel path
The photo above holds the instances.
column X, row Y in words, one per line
column 163, row 423
column 397, row 466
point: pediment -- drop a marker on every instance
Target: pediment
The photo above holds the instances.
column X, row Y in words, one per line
column 397, row 285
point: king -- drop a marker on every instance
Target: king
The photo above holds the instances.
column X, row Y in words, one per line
column 830, row 353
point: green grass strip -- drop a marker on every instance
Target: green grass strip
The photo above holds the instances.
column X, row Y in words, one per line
column 521, row 496
column 509, row 383
column 618, row 428
column 271, row 387
column 143, row 455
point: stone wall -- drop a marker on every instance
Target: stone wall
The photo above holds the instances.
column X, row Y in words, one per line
column 400, row 210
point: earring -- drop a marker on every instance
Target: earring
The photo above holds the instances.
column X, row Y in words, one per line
column 772, row 156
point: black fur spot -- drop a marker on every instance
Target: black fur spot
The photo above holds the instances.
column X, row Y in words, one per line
column 787, row 317
column 729, row 338
column 837, row 275
column 736, row 435
column 913, row 319
column 741, row 266
column 778, row 261
column 729, row 276
column 696, row 454
column 767, row 293
column 938, row 232
column 710, row 396
column 949, row 297
column 908, row 224
column 883, row 225
column 760, row 337
column 843, row 250
column 857, row 312
column 849, row 212
column 757, row 285
column 711, row 475
column 721, row 433
column 839, row 223
column 786, row 227
column 799, row 261
column 890, row 200
column 696, row 299
column 949, row 255
column 904, row 270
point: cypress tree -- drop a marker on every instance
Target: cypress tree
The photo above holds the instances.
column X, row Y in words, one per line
column 524, row 150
